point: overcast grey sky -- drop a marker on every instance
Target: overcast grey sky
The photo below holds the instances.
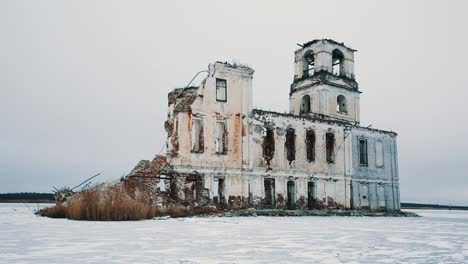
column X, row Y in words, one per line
column 83, row 84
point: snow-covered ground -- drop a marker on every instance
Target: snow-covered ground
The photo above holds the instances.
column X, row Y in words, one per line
column 437, row 237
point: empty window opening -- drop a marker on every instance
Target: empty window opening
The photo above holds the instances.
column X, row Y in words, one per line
column 194, row 192
column 221, row 138
column 290, row 145
column 197, row 135
column 330, row 147
column 341, row 104
column 268, row 144
column 269, row 185
column 363, row 152
column 337, row 62
column 311, row 195
column 305, row 104
column 221, row 90
column 162, row 184
column 291, row 192
column 310, row 145
column 379, row 160
column 309, row 64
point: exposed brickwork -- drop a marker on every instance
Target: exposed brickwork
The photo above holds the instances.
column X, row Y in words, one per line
column 280, row 201
column 301, row 203
column 146, row 168
column 236, row 202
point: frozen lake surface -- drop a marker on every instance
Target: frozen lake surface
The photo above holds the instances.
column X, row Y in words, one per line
column 438, row 236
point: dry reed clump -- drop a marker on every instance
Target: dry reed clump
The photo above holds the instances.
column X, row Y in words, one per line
column 115, row 206
column 57, row 211
column 94, row 206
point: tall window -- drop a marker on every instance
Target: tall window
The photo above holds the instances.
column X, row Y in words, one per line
column 337, row 62
column 330, row 147
column 268, row 144
column 197, row 135
column 221, row 136
column 221, row 90
column 363, row 152
column 309, row 64
column 290, row 144
column 341, row 104
column 310, row 145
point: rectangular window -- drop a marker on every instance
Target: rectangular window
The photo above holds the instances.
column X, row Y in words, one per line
column 197, row 135
column 221, row 90
column 221, row 134
column 330, row 147
column 310, row 145
column 379, row 161
column 268, row 144
column 363, row 152
column 290, row 145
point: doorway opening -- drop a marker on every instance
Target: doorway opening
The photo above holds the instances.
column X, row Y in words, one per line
column 269, row 192
column 311, row 195
column 291, row 195
column 221, row 191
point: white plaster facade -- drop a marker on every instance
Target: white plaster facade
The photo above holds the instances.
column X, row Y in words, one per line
column 314, row 157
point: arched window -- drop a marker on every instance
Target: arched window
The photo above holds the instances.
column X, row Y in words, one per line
column 341, row 104
column 309, row 64
column 305, row 104
column 337, row 62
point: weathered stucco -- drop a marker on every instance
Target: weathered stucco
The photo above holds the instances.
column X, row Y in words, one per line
column 220, row 150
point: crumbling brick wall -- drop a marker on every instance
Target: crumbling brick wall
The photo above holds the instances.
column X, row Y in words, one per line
column 144, row 184
column 189, row 190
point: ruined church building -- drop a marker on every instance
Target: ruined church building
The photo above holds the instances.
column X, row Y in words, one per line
column 315, row 156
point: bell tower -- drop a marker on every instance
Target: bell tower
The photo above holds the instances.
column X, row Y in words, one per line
column 324, row 85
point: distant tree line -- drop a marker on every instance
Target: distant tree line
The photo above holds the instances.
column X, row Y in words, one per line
column 26, row 196
column 432, row 206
